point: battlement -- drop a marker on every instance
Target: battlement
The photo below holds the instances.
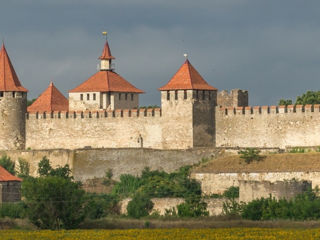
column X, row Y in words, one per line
column 269, row 109
column 234, row 98
column 118, row 113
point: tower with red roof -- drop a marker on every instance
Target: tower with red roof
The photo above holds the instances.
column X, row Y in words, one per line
column 13, row 104
column 188, row 104
column 106, row 89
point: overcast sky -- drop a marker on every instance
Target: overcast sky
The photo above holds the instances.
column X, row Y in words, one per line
column 270, row 48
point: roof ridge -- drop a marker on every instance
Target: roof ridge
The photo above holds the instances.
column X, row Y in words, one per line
column 189, row 69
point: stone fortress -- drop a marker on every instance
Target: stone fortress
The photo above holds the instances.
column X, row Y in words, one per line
column 103, row 112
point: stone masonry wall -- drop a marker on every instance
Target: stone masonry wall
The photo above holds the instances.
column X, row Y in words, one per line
column 12, row 120
column 236, row 98
column 214, row 205
column 103, row 129
column 268, row 126
column 93, row 163
column 10, row 191
column 251, row 190
column 219, row 182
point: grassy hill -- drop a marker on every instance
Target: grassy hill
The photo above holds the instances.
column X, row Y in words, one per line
column 282, row 162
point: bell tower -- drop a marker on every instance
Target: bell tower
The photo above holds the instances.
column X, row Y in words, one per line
column 106, row 57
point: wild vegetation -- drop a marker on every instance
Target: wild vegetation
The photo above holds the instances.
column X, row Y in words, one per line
column 54, row 200
column 250, row 154
column 310, row 97
column 174, row 234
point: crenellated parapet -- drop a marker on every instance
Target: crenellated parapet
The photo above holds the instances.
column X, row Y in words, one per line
column 251, row 110
column 268, row 126
column 118, row 113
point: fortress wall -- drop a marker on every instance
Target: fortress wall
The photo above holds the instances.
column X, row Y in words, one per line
column 58, row 157
column 102, row 129
column 274, row 126
column 93, row 163
column 219, row 182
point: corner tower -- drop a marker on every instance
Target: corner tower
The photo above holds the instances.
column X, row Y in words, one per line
column 13, row 104
column 188, row 104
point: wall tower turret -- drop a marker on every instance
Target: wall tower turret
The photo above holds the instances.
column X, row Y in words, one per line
column 188, row 103
column 13, row 104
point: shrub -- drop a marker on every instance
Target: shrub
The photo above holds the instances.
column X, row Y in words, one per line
column 297, row 150
column 108, row 177
column 100, row 205
column 13, row 210
column 127, row 186
column 45, row 169
column 139, row 206
column 24, row 168
column 231, row 193
column 54, row 202
column 304, row 206
column 158, row 184
column 7, row 164
column 250, row 154
column 193, row 207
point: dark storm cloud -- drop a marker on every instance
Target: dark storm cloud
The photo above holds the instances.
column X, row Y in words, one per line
column 270, row 48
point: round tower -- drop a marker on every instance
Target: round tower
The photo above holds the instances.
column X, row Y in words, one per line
column 13, row 105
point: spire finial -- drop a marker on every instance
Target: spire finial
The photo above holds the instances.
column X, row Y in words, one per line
column 105, row 34
column 186, row 56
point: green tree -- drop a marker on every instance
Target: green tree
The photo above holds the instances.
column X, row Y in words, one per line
column 45, row 169
column 29, row 102
column 250, row 154
column 285, row 102
column 54, row 202
column 139, row 206
column 7, row 164
column 24, row 168
column 194, row 206
column 310, row 97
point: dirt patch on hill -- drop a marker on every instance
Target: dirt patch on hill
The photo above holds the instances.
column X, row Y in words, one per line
column 283, row 162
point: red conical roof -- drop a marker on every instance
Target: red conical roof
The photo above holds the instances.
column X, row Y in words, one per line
column 106, row 53
column 106, row 81
column 50, row 100
column 187, row 77
column 9, row 81
column 5, row 176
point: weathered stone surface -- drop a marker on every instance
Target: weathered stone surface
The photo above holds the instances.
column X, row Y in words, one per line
column 219, row 182
column 268, row 126
column 214, row 205
column 13, row 106
column 10, row 191
column 93, row 163
column 251, row 190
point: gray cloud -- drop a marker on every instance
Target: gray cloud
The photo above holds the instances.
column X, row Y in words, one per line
column 268, row 47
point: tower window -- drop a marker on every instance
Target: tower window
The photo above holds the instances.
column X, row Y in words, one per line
column 168, row 95
column 209, row 95
column 119, row 96
column 185, row 94
column 1, row 94
column 176, row 95
column 13, row 94
column 88, row 96
column 126, row 96
column 203, row 95
column 197, row 94
column 131, row 96
column 94, row 96
column 81, row 97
